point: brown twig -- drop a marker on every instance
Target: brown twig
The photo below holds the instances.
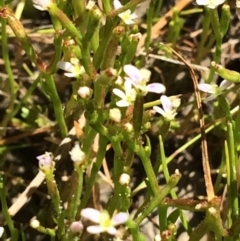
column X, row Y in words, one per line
column 205, row 159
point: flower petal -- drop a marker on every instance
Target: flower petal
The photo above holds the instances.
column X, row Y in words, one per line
column 67, row 66
column 224, row 85
column 133, row 73
column 122, row 103
column 145, row 74
column 156, row 88
column 206, row 88
column 202, row 2
column 159, row 110
column 117, row 4
column 120, row 218
column 70, row 75
column 166, row 103
column 119, row 93
column 95, row 229
column 91, row 214
column 128, row 87
column 42, row 5
column 112, row 230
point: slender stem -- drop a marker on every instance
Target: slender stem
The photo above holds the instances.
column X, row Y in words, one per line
column 11, row 81
column 233, row 176
column 13, row 231
column 158, row 198
column 199, row 231
column 96, row 167
column 57, row 105
column 75, row 192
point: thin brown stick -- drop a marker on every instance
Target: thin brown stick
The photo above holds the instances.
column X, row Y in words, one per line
column 205, row 159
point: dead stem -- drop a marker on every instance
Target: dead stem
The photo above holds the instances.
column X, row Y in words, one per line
column 205, row 159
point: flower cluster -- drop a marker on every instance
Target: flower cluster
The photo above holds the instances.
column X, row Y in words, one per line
column 138, row 79
column 136, row 82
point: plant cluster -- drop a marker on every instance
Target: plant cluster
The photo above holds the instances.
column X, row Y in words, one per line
column 97, row 45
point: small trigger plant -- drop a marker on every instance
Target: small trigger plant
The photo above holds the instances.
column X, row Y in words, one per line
column 104, row 121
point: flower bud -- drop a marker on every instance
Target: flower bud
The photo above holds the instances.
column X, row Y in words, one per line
column 124, row 179
column 35, row 223
column 76, row 227
column 128, row 127
column 115, row 115
column 77, row 155
column 84, row 92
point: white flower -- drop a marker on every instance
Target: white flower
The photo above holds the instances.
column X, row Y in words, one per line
column 77, row 155
column 169, row 107
column 42, row 5
column 210, row 3
column 214, row 89
column 126, row 16
column 105, row 223
column 73, row 69
column 128, row 97
column 139, row 79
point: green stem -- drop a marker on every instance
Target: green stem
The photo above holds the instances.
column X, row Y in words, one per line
column 233, row 175
column 158, row 198
column 11, row 81
column 204, row 36
column 199, row 231
column 218, row 35
column 75, row 192
column 57, row 105
column 96, row 167
column 53, row 192
column 4, row 208
column 167, row 177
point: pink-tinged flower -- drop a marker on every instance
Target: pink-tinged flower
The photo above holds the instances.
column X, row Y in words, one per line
column 126, row 16
column 210, row 3
column 72, row 68
column 169, row 107
column 105, row 223
column 214, row 89
column 127, row 97
column 42, row 5
column 140, row 78
column 45, row 161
